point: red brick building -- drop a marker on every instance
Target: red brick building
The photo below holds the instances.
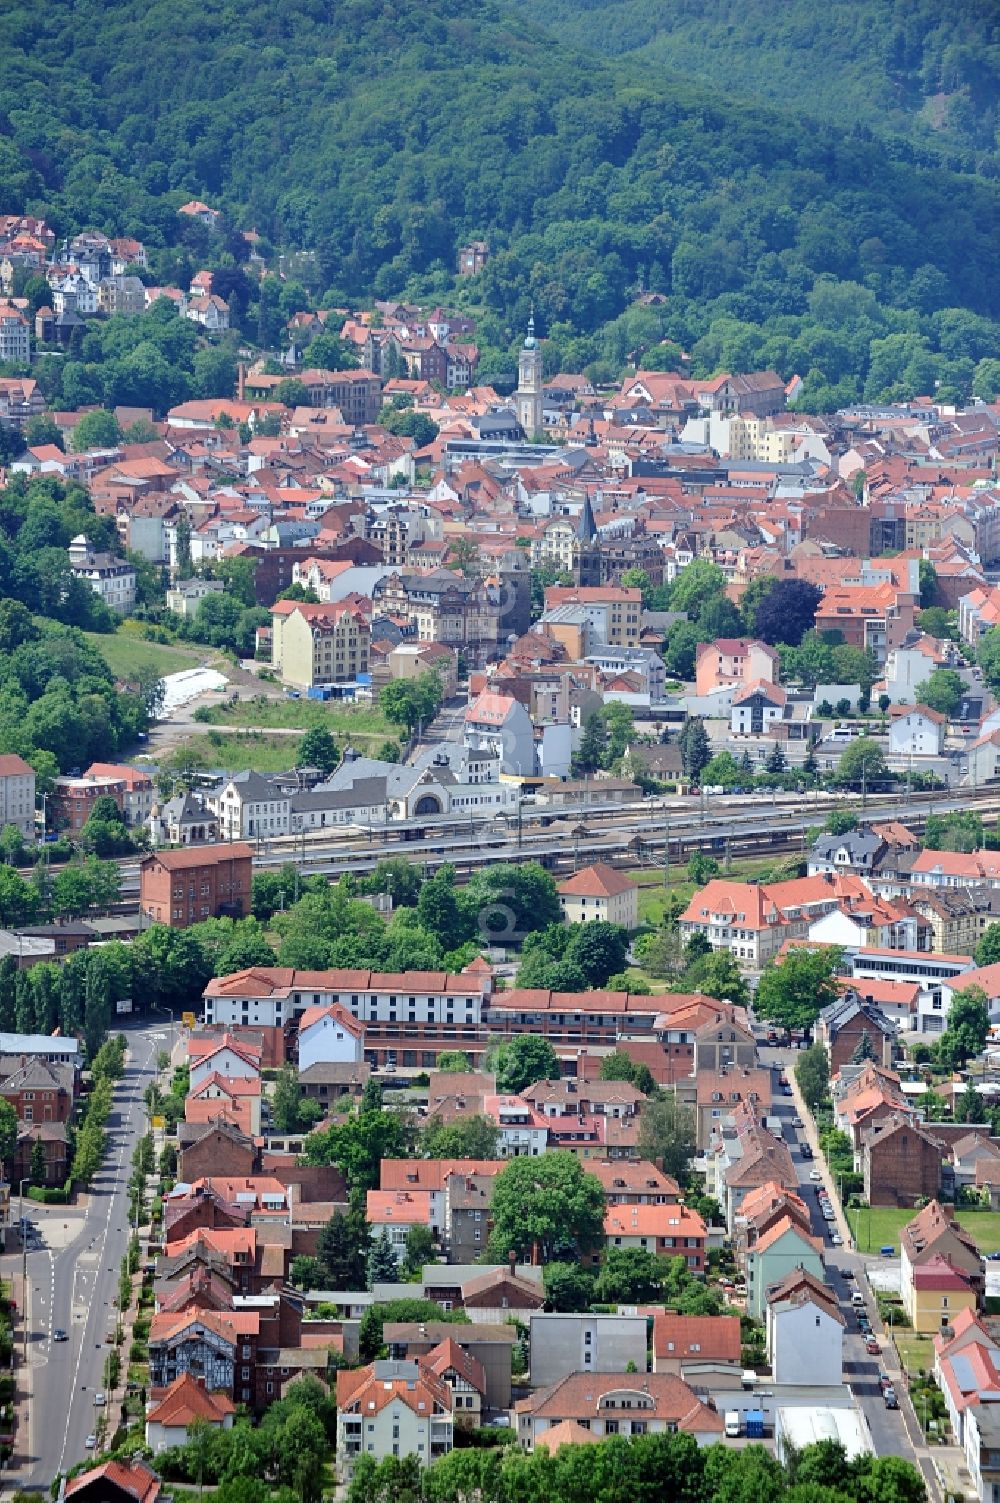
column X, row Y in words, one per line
column 40, row 1091
column 72, row 799
column 183, row 887
column 901, row 1161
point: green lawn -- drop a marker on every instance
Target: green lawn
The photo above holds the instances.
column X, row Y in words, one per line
column 235, row 751
column 126, row 655
column 881, row 1227
column 916, row 1353
column 350, row 721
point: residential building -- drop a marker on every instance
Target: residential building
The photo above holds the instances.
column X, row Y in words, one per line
column 250, row 807
column 563, row 1344
column 682, row 1342
column 187, row 594
column 670, row 1231
column 444, row 606
column 843, row 1026
column 874, row 617
column 54, row 1139
column 112, row 579
column 40, row 1090
column 183, row 887
column 757, row 709
column 600, row 892
column 900, row 1160
column 718, row 1090
column 319, row 644
column 17, row 794
column 20, row 400
column 612, row 1404
column 637, row 1183
column 982, row 1439
column 785, row 1246
column 221, row 1055
column 185, row 1403
column 136, row 789
column 499, row 724
column 523, row 1132
column 71, row 800
column 941, row 1270
column 329, row 1035
column 916, row 731
column 490, row 1346
column 408, row 1017
column 465, row 1376
column 967, row 1369
column 394, row 1213
column 734, row 662
column 472, row 258
column 15, row 335
column 613, row 612
column 393, row 1408
column 805, row 1332
column 114, row 1482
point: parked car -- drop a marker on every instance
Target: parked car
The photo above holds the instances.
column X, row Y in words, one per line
column 847, row 1273
column 891, row 1401
column 872, row 1347
column 884, row 1381
column 90, row 1442
column 815, row 1175
column 805, row 1151
column 99, row 1399
column 836, row 1239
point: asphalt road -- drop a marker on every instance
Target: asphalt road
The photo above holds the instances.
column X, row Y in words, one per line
column 889, row 1432
column 73, row 1284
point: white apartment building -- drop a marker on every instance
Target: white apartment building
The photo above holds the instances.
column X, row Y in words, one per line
column 250, row 808
column 111, row 578
column 17, row 795
column 271, row 997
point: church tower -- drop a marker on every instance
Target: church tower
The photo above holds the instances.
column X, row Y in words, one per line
column 529, row 384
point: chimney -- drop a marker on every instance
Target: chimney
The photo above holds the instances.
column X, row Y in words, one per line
column 512, row 1260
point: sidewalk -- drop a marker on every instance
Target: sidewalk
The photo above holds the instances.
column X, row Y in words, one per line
column 808, row 1131
column 23, row 1377
column 940, row 1465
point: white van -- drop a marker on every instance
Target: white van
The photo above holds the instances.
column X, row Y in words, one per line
column 857, row 1298
column 733, row 1426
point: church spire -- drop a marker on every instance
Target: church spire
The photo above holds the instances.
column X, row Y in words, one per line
column 586, row 528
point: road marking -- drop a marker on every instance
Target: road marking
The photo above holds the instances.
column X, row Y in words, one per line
column 127, row 1110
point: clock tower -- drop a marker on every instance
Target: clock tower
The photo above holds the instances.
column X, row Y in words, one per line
column 529, row 384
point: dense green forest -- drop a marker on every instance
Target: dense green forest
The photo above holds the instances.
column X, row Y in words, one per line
column 920, row 70
column 378, row 138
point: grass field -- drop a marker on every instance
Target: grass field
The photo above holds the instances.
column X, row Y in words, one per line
column 125, row 655
column 881, row 1227
column 234, row 751
column 915, row 1352
column 360, row 722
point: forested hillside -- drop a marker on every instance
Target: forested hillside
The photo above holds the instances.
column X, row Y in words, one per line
column 920, row 69
column 380, row 137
